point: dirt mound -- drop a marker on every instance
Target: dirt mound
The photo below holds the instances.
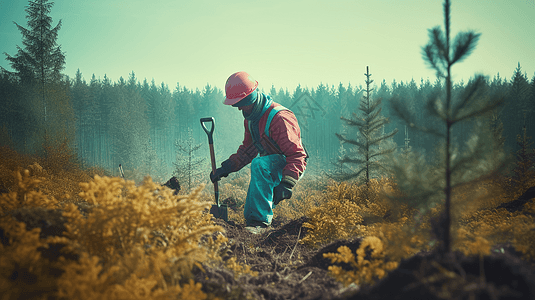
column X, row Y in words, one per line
column 280, row 260
column 455, row 276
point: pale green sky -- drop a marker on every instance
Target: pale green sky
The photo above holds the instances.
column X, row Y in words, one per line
column 278, row 42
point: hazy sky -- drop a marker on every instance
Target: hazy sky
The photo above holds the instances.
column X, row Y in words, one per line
column 279, row 42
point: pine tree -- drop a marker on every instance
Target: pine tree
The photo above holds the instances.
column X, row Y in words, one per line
column 37, row 66
column 81, row 104
column 524, row 170
column 532, row 98
column 41, row 60
column 520, row 90
column 188, row 168
column 426, row 183
column 370, row 124
column 273, row 91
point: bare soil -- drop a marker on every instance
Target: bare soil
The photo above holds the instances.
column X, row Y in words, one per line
column 288, row 269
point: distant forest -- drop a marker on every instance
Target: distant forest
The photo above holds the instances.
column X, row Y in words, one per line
column 136, row 124
column 139, row 124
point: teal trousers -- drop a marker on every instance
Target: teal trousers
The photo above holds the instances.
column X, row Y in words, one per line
column 266, row 174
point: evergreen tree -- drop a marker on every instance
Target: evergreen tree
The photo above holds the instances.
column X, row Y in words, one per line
column 370, row 126
column 518, row 109
column 273, row 91
column 41, row 60
column 424, row 184
column 12, row 115
column 520, row 90
column 188, row 167
column 532, row 98
column 184, row 109
column 38, row 65
column 129, row 130
column 297, row 93
column 524, row 169
column 80, row 99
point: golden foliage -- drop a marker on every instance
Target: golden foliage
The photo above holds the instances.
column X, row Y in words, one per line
column 24, row 194
column 368, row 265
column 239, row 269
column 335, row 219
column 137, row 242
column 60, row 183
column 126, row 215
column 24, row 273
column 340, row 216
column 480, row 225
column 306, row 195
column 136, row 276
column 402, row 238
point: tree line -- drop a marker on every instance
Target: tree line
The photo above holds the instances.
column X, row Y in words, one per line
column 138, row 124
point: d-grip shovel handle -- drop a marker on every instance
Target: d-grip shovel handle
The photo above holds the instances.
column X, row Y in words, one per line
column 211, row 131
column 212, row 153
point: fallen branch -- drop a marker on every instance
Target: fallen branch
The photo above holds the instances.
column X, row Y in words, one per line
column 306, row 276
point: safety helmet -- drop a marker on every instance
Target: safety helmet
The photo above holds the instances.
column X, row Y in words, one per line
column 239, row 85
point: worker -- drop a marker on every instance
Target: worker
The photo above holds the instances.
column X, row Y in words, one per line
column 273, row 132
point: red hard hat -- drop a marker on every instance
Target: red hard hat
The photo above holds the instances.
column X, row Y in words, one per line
column 239, row 85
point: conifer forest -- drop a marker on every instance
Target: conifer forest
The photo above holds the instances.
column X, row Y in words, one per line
column 413, row 190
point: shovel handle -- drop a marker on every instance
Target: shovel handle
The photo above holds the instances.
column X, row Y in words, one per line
column 211, row 131
column 212, row 152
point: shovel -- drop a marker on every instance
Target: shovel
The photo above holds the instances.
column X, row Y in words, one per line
column 219, row 211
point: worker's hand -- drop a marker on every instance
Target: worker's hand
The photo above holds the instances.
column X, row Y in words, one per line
column 226, row 168
column 283, row 190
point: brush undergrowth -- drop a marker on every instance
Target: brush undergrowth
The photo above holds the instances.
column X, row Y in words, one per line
column 135, row 242
column 141, row 241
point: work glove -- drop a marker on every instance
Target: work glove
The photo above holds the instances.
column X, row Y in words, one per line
column 284, row 189
column 223, row 171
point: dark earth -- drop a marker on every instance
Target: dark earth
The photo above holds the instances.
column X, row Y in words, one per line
column 289, row 270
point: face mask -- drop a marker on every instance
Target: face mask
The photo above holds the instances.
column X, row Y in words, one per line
column 250, row 99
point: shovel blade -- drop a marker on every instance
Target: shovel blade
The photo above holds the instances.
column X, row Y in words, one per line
column 220, row 212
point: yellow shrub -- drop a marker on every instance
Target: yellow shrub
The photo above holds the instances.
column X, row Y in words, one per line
column 479, row 231
column 125, row 215
column 402, row 238
column 341, row 214
column 336, row 219
column 24, row 194
column 58, row 173
column 369, row 265
column 136, row 276
column 24, row 273
column 119, row 256
column 296, row 208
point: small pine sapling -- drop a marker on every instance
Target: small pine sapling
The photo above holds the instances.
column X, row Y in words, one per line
column 368, row 150
column 187, row 165
column 454, row 169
